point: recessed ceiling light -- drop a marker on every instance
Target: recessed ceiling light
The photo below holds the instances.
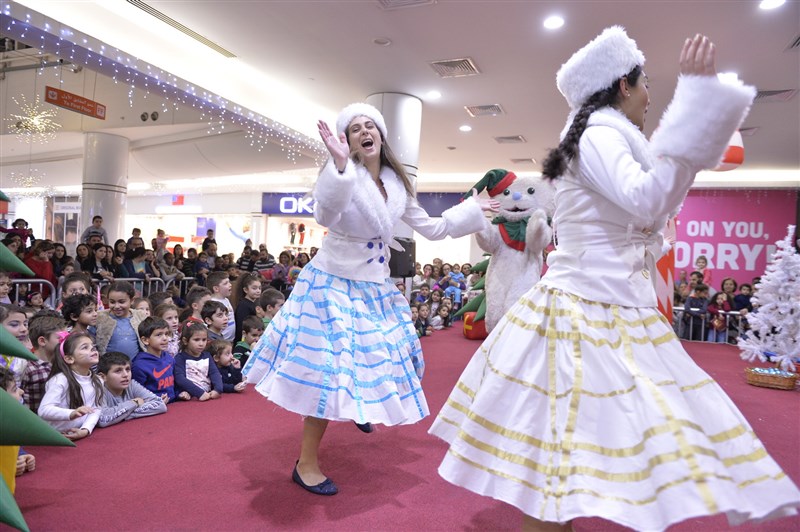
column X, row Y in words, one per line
column 771, row 4
column 554, row 22
column 465, row 128
column 433, row 95
column 382, row 41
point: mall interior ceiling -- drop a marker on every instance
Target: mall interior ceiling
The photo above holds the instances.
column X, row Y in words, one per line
column 291, row 63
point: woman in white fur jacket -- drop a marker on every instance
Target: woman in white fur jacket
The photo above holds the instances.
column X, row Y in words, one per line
column 582, row 401
column 343, row 346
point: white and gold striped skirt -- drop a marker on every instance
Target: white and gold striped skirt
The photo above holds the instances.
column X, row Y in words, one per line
column 572, row 408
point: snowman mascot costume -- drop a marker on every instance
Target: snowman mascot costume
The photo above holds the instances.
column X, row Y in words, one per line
column 516, row 238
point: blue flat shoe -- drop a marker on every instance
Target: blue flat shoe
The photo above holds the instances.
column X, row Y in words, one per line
column 365, row 427
column 326, row 487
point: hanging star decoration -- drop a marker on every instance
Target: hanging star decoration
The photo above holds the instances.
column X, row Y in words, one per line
column 30, row 184
column 35, row 123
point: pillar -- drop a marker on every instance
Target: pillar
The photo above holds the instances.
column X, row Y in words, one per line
column 403, row 116
column 105, row 182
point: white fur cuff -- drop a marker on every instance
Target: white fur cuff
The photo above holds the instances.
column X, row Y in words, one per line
column 334, row 190
column 698, row 124
column 464, row 219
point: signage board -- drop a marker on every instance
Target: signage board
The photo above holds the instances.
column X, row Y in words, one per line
column 76, row 103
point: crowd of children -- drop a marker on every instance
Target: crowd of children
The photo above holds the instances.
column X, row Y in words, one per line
column 438, row 291
column 705, row 314
column 110, row 354
column 132, row 260
column 103, row 358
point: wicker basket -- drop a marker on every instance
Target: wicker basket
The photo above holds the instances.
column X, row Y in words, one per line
column 783, row 381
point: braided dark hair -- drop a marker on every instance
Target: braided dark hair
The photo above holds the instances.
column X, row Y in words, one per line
column 557, row 159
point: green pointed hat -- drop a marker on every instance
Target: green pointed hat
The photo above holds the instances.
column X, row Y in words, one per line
column 11, row 263
column 494, row 182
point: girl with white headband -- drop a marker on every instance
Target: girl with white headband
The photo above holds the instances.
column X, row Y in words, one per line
column 343, row 346
column 582, row 401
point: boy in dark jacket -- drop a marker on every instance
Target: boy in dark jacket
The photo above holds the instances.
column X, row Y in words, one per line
column 694, row 314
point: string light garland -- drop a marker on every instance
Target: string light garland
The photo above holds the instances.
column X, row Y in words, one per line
column 218, row 114
column 29, row 184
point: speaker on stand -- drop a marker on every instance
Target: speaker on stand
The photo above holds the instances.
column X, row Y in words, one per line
column 402, row 263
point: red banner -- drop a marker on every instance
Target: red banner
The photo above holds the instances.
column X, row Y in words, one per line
column 76, row 103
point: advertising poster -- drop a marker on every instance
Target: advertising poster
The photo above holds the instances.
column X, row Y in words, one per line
column 735, row 229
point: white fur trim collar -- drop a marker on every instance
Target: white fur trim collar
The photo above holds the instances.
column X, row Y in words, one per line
column 381, row 214
column 608, row 116
column 640, row 147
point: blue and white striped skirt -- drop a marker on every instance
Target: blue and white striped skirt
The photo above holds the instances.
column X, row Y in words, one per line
column 341, row 350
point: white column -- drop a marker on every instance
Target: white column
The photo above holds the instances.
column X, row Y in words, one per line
column 403, row 116
column 105, row 182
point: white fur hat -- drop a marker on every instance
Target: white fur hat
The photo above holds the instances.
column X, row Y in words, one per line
column 608, row 57
column 360, row 109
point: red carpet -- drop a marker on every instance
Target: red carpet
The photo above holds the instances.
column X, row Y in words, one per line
column 226, row 465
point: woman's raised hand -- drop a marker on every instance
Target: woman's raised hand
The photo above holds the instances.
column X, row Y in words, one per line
column 486, row 204
column 337, row 147
column 698, row 57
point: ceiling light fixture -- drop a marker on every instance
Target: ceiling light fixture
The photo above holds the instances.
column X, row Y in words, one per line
column 34, row 123
column 433, row 95
column 771, row 4
column 382, row 41
column 465, row 128
column 553, row 22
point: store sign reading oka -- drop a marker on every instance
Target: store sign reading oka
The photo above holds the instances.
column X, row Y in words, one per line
column 289, row 203
column 76, row 103
column 302, row 204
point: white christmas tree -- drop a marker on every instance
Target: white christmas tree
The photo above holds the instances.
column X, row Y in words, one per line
column 775, row 326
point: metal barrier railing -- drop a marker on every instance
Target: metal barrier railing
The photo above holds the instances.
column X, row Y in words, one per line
column 38, row 285
column 142, row 286
column 183, row 284
column 690, row 325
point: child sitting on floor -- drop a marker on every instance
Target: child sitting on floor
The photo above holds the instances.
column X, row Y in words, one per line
column 124, row 398
column 215, row 316
column 195, row 299
column 80, row 312
column 442, row 318
column 196, row 374
column 269, row 303
column 45, row 333
column 153, row 368
column 74, row 393
column 229, row 367
column 169, row 313
column 252, row 329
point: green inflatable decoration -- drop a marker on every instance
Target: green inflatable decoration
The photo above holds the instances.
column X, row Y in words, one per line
column 18, row 425
column 12, row 347
column 478, row 303
column 10, row 263
column 9, row 511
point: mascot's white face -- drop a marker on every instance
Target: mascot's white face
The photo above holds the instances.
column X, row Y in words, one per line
column 521, row 198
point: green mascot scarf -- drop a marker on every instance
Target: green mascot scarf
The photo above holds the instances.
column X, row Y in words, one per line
column 513, row 233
